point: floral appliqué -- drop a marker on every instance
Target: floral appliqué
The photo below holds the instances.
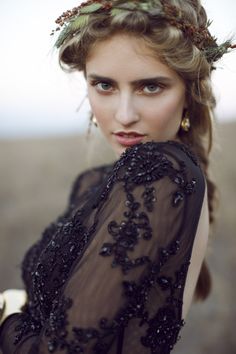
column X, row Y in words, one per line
column 139, row 168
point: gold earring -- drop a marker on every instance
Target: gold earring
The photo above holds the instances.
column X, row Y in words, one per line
column 185, row 123
column 94, row 121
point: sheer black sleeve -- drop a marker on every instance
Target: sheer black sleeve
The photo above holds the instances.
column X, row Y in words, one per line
column 112, row 280
column 83, row 188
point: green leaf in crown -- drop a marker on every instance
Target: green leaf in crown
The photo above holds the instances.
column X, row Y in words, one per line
column 78, row 23
column 116, row 12
column 62, row 37
column 74, row 26
column 145, row 6
column 90, row 8
column 215, row 53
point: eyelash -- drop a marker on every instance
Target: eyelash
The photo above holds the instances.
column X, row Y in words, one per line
column 96, row 83
column 157, row 84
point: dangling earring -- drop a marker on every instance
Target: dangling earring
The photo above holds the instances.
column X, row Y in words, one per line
column 185, row 123
column 92, row 121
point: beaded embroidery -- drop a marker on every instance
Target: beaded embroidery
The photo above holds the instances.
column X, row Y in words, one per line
column 64, row 243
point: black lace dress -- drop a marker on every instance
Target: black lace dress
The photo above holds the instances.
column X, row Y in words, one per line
column 109, row 275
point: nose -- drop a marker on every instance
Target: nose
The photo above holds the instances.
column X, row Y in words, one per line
column 125, row 110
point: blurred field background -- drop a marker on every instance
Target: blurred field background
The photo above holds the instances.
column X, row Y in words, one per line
column 36, row 176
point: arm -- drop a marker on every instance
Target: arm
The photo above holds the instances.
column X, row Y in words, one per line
column 81, row 188
column 131, row 279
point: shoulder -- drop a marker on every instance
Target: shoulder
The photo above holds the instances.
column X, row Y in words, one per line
column 151, row 161
column 153, row 151
column 89, row 178
column 92, row 173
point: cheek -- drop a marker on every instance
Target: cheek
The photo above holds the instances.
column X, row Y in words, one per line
column 100, row 110
column 164, row 116
column 171, row 108
column 95, row 104
column 99, row 106
column 173, row 103
column 92, row 99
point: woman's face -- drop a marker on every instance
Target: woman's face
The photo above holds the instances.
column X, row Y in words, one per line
column 133, row 95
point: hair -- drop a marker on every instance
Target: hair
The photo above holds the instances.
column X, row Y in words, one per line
column 171, row 46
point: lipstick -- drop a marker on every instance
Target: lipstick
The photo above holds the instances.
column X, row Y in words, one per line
column 129, row 138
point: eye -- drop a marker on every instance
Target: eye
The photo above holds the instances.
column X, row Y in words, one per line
column 151, row 88
column 102, row 86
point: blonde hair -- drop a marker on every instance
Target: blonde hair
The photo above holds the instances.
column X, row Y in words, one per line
column 176, row 50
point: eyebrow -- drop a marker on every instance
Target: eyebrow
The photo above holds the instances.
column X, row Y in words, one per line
column 163, row 79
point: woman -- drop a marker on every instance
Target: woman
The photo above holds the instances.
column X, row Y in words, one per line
column 118, row 271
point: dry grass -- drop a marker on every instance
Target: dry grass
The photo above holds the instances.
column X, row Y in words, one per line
column 35, row 180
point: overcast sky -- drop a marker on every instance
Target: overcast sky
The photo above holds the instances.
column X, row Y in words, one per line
column 37, row 98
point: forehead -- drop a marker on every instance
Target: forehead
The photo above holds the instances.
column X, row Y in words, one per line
column 126, row 55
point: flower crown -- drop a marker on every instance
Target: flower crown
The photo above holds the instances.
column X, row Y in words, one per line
column 73, row 21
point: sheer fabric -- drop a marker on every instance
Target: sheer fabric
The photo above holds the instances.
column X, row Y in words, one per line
column 109, row 275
